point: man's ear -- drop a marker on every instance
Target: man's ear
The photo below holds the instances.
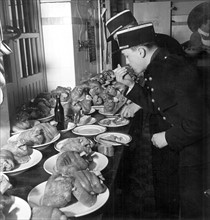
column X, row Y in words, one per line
column 142, row 52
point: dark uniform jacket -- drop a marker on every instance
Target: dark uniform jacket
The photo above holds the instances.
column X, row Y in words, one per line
column 173, row 96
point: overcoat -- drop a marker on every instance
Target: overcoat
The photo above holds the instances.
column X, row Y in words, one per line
column 174, row 97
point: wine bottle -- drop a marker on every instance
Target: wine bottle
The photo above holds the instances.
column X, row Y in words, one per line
column 59, row 114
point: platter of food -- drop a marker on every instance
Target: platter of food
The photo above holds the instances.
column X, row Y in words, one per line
column 114, row 122
column 89, row 130
column 74, row 209
column 86, row 120
column 35, row 158
column 23, row 126
column 18, row 210
column 115, row 138
column 47, row 118
column 38, row 146
column 98, row 163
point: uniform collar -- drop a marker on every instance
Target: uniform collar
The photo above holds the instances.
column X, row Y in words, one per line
column 158, row 56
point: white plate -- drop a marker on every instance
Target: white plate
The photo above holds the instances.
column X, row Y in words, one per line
column 19, row 210
column 92, row 121
column 124, row 138
column 123, row 122
column 101, row 111
column 99, row 160
column 70, row 126
column 59, row 144
column 40, row 146
column 89, row 130
column 74, row 210
column 36, row 157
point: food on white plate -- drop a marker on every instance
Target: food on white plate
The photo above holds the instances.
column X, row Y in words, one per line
column 7, row 160
column 47, row 213
column 85, row 119
column 87, row 186
column 114, row 138
column 70, row 161
column 64, row 92
column 58, row 191
column 20, row 149
column 97, row 100
column 111, row 121
column 19, row 126
column 78, row 144
column 4, row 184
column 5, row 199
column 39, row 134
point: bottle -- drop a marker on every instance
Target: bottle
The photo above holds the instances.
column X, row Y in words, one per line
column 59, row 114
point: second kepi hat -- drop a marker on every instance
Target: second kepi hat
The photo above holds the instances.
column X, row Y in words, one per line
column 119, row 21
column 134, row 36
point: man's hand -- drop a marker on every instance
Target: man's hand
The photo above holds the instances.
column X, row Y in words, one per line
column 159, row 140
column 123, row 77
column 129, row 110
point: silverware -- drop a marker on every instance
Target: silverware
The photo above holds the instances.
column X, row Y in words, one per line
column 112, row 141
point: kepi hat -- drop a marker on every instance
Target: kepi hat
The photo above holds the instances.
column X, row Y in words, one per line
column 134, row 36
column 120, row 21
column 197, row 15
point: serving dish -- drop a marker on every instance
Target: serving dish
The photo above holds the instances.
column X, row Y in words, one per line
column 89, row 130
column 75, row 209
column 36, row 157
column 100, row 161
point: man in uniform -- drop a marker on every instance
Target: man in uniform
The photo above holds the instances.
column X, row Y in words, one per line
column 173, row 97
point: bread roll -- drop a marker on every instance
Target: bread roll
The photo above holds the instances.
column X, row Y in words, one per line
column 58, row 191
column 7, row 160
column 70, row 161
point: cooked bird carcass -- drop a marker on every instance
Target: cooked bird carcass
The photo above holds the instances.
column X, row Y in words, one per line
column 47, row 213
column 58, row 191
column 64, row 92
column 7, row 160
column 39, row 134
column 20, row 149
column 87, row 186
column 70, row 161
column 78, row 144
column 5, row 199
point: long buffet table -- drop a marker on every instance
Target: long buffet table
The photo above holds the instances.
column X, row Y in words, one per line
column 24, row 182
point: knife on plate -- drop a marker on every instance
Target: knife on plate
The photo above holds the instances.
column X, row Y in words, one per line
column 112, row 141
